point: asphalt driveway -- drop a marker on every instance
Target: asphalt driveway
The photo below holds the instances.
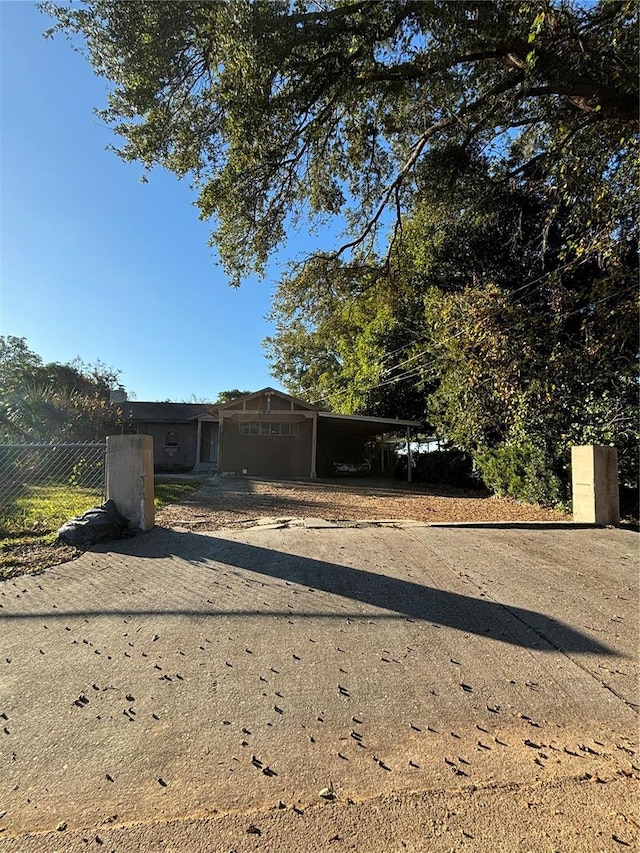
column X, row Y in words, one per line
column 182, row 676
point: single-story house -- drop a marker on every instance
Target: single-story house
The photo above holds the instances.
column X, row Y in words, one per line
column 264, row 434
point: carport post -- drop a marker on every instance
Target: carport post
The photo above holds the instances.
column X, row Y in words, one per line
column 314, row 444
column 408, row 454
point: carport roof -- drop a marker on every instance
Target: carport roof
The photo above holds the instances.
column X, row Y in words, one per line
column 365, row 424
column 370, row 419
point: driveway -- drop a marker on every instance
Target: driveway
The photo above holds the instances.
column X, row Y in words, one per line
column 443, row 687
column 244, row 501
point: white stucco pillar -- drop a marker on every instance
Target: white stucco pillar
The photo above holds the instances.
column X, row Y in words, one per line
column 130, row 478
column 594, row 474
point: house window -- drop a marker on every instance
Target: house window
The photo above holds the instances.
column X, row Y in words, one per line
column 270, row 428
column 171, row 439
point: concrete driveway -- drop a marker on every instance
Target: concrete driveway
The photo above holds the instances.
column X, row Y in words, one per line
column 442, row 686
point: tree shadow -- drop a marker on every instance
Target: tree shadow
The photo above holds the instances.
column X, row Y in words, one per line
column 376, row 596
column 397, row 597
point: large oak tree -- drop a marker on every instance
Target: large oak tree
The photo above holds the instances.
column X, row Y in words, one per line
column 281, row 110
column 482, row 160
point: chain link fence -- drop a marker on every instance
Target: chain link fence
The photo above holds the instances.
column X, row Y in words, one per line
column 43, row 485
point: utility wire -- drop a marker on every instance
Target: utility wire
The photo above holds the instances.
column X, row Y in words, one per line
column 417, row 372
column 509, row 294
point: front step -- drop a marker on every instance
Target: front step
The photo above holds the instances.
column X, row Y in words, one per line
column 205, row 468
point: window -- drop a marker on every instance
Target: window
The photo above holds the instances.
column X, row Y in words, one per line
column 171, row 439
column 284, row 428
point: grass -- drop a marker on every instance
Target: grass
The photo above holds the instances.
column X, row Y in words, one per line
column 28, row 528
column 172, row 491
column 43, row 508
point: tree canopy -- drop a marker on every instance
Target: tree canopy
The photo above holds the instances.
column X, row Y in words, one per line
column 230, row 395
column 482, row 158
column 51, row 402
column 282, row 110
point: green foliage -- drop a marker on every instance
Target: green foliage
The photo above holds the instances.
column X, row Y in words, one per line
column 444, row 467
column 522, row 471
column 339, row 328
column 229, row 396
column 47, row 403
column 506, row 343
column 45, row 508
column 280, row 110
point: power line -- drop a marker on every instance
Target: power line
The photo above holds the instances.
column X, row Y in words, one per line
column 510, row 294
column 417, row 372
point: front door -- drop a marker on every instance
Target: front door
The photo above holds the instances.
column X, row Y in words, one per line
column 213, row 443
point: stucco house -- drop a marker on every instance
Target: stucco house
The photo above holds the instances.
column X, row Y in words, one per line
column 264, row 434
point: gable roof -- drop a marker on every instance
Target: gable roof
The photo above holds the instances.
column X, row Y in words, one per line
column 233, row 404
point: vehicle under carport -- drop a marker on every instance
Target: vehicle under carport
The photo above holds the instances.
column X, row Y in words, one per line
column 356, row 439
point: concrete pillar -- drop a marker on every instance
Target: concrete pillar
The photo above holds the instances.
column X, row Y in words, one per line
column 594, row 473
column 130, row 478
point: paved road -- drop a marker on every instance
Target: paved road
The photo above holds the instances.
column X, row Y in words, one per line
column 171, row 691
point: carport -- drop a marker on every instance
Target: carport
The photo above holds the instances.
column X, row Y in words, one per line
column 345, row 438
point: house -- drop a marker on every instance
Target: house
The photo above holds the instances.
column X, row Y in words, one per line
column 264, row 434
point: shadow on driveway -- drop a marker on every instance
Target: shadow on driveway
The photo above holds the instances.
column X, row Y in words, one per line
column 395, row 597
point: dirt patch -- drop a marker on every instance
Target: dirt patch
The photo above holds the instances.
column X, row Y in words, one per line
column 239, row 502
column 22, row 555
column 242, row 501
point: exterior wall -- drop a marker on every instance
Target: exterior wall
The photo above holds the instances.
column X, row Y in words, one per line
column 265, row 455
column 278, row 404
column 273, row 402
column 180, row 457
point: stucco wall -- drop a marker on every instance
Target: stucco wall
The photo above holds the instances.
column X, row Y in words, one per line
column 180, row 457
column 266, row 455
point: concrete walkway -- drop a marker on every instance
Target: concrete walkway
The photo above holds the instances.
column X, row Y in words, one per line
column 184, row 680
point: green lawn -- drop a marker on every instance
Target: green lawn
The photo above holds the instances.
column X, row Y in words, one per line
column 28, row 527
column 45, row 508
column 172, row 491
column 42, row 509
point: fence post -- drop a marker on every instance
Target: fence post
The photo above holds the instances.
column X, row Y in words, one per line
column 594, row 474
column 130, row 478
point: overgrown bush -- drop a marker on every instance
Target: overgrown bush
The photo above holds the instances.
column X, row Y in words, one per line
column 450, row 467
column 523, row 471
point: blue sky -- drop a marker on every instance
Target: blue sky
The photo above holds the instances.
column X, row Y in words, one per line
column 94, row 263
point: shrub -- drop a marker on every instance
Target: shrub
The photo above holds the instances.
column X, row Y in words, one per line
column 445, row 467
column 450, row 467
column 521, row 470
